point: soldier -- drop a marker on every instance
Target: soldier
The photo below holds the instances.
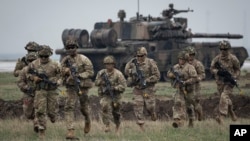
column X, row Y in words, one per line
column 77, row 71
column 111, row 84
column 22, row 62
column 184, row 76
column 231, row 64
column 143, row 74
column 201, row 76
column 45, row 73
column 28, row 88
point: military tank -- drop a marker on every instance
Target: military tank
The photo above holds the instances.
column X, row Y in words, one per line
column 163, row 38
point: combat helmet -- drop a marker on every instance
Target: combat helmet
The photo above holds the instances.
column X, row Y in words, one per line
column 190, row 50
column 183, row 55
column 141, row 51
column 45, row 51
column 224, row 45
column 32, row 46
column 71, row 42
column 109, row 60
column 31, row 56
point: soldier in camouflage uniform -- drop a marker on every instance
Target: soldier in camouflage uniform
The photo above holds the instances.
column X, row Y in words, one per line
column 28, row 88
column 22, row 62
column 144, row 88
column 45, row 73
column 201, row 76
column 184, row 98
column 110, row 94
column 231, row 64
column 77, row 71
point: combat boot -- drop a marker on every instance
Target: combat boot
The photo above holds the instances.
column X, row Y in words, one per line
column 177, row 123
column 199, row 113
column 41, row 134
column 219, row 119
column 87, row 127
column 191, row 123
column 71, row 135
column 107, row 128
column 153, row 117
column 141, row 123
column 117, row 127
column 232, row 114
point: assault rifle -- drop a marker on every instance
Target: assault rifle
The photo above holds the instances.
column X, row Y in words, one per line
column 139, row 75
column 43, row 76
column 227, row 76
column 178, row 80
column 108, row 86
column 73, row 72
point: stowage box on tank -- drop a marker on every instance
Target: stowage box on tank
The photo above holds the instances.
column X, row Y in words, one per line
column 163, row 37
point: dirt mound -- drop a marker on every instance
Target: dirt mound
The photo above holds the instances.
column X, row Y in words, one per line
column 13, row 109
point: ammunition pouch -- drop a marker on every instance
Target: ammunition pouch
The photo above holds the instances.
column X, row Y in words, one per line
column 86, row 83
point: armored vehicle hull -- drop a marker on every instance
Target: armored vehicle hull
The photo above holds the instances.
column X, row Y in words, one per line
column 162, row 37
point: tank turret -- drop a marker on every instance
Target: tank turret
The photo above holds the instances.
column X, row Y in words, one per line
column 163, row 37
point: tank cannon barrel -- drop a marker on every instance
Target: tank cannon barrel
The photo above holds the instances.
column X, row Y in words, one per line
column 179, row 34
column 207, row 35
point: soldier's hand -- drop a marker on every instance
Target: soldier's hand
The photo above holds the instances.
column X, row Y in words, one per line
column 66, row 71
column 37, row 79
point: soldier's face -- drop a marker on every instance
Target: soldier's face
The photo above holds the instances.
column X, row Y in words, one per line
column 109, row 66
column 182, row 61
column 141, row 58
column 191, row 57
column 224, row 52
column 44, row 59
column 71, row 50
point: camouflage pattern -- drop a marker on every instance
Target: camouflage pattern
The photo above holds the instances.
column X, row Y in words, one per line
column 28, row 88
column 45, row 102
column 20, row 64
column 143, row 96
column 184, row 98
column 231, row 64
column 111, row 107
column 32, row 46
column 85, row 71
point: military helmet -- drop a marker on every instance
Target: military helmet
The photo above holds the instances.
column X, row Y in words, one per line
column 190, row 50
column 71, row 42
column 32, row 46
column 109, row 60
column 45, row 51
column 183, row 55
column 224, row 45
column 31, row 56
column 141, row 51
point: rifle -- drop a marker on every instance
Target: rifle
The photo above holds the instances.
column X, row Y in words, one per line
column 178, row 80
column 73, row 72
column 227, row 76
column 43, row 76
column 139, row 75
column 108, row 86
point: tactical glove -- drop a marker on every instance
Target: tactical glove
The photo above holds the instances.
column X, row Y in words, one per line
column 37, row 79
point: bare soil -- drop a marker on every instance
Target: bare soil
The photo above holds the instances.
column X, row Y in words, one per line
column 13, row 109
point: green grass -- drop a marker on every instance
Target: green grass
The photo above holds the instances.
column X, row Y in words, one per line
column 208, row 130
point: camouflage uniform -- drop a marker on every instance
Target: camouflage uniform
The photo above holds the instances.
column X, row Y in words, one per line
column 84, row 72
column 225, row 88
column 46, row 94
column 200, row 76
column 110, row 105
column 184, row 98
column 22, row 62
column 28, row 88
column 143, row 95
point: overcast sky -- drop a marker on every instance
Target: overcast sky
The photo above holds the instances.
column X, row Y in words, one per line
column 43, row 21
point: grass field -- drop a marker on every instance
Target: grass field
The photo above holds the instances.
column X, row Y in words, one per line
column 208, row 130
